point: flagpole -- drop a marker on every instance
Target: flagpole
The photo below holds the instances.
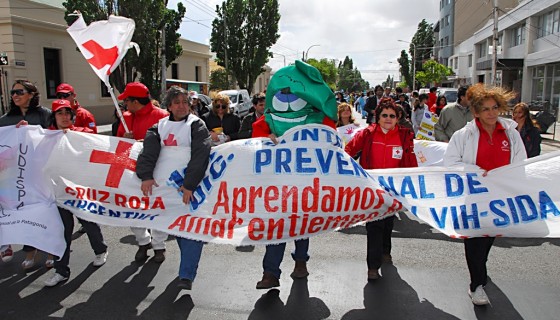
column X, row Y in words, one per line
column 119, row 113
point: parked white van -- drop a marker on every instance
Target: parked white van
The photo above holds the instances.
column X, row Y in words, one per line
column 240, row 101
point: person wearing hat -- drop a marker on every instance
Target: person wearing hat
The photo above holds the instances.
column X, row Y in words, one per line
column 82, row 118
column 141, row 115
column 62, row 116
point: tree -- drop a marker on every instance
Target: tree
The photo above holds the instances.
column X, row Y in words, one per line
column 349, row 77
column 242, row 35
column 328, row 70
column 150, row 16
column 424, row 41
column 405, row 64
column 389, row 82
column 434, row 72
column 219, row 79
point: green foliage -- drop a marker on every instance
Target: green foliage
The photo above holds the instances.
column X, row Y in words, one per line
column 150, row 18
column 246, row 30
column 219, row 80
column 424, row 40
column 405, row 65
column 328, row 70
column 389, row 82
column 433, row 73
column 350, row 78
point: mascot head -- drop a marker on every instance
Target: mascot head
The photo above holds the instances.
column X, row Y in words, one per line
column 297, row 95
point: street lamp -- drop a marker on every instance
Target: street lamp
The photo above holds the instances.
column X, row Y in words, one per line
column 307, row 52
column 282, row 56
column 413, row 63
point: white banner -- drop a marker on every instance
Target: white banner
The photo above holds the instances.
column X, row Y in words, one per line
column 255, row 192
column 28, row 213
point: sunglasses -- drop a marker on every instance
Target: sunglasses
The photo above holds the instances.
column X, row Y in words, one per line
column 218, row 106
column 19, row 92
column 63, row 95
column 384, row 115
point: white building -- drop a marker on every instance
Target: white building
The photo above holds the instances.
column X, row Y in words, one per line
column 528, row 52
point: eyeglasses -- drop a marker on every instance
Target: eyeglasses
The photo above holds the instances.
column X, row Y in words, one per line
column 384, row 115
column 19, row 92
column 218, row 106
column 63, row 95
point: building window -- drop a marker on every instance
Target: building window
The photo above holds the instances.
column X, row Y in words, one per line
column 446, row 41
column 518, row 35
column 447, row 20
column 104, row 91
column 456, row 62
column 470, row 60
column 52, row 71
column 174, row 71
column 482, row 50
column 197, row 73
column 549, row 23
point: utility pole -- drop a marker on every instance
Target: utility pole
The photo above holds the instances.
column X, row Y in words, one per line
column 163, row 64
column 493, row 80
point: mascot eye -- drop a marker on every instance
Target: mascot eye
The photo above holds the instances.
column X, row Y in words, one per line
column 281, row 102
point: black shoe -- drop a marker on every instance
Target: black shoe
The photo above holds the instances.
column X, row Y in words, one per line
column 185, row 284
column 159, row 255
column 142, row 253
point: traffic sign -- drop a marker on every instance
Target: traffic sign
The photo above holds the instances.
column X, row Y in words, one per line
column 3, row 59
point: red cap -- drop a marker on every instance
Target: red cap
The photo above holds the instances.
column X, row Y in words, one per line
column 64, row 88
column 135, row 89
column 61, row 103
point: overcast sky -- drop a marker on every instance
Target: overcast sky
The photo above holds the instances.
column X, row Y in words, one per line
column 365, row 30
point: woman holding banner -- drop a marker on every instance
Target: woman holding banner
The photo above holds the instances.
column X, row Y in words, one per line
column 189, row 131
column 489, row 142
column 25, row 109
column 384, row 145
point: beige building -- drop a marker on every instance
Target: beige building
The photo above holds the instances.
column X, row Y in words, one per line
column 260, row 83
column 37, row 47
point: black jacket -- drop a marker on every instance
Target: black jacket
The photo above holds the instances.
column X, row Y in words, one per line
column 532, row 140
column 246, row 130
column 34, row 116
column 229, row 123
column 371, row 104
column 200, row 152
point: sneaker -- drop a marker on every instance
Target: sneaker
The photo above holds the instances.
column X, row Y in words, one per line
column 100, row 259
column 55, row 279
column 479, row 297
column 373, row 274
column 185, row 284
column 7, row 253
column 268, row 281
column 159, row 255
column 142, row 253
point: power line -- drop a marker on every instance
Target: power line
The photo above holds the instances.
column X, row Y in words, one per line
column 202, row 24
column 202, row 9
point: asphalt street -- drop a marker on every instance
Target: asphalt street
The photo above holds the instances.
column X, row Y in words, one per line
column 428, row 280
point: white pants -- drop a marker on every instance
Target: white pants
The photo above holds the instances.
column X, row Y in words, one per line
column 143, row 236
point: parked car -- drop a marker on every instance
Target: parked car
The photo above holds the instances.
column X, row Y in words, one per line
column 240, row 101
column 449, row 93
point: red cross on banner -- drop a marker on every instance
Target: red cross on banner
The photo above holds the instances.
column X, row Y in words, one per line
column 118, row 162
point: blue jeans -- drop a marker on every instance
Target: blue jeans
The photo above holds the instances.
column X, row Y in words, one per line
column 275, row 253
column 191, row 250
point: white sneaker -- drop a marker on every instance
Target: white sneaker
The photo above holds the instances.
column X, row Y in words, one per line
column 479, row 297
column 55, row 279
column 100, row 259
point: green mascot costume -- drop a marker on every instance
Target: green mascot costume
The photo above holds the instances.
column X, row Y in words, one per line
column 296, row 95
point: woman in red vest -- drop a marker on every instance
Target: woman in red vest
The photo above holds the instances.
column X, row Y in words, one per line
column 383, row 145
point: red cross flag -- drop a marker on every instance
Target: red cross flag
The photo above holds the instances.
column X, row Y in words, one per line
column 103, row 43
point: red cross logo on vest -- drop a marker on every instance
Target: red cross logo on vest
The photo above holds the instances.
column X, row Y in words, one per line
column 170, row 141
column 118, row 162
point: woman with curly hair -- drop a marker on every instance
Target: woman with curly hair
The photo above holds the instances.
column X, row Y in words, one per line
column 487, row 142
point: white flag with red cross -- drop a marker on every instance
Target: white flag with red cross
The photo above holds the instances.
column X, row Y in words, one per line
column 103, row 43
